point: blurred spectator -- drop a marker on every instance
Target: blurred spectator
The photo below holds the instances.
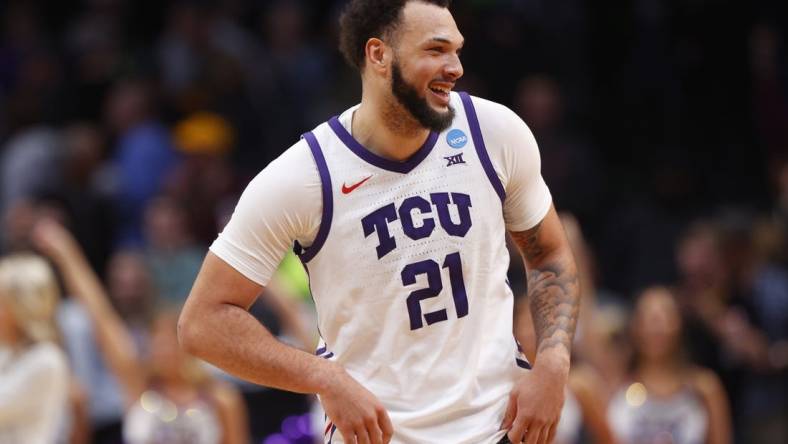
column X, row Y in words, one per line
column 703, row 289
column 754, row 331
column 666, row 399
column 104, row 397
column 94, row 393
column 29, row 165
column 132, row 292
column 178, row 48
column 171, row 253
column 734, row 293
column 34, row 373
column 18, row 220
column 85, row 192
column 143, row 154
column 92, row 42
column 204, row 178
column 169, row 396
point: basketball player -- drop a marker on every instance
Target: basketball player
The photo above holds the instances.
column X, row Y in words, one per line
column 399, row 209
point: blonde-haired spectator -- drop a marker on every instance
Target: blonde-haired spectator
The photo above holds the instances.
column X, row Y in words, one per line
column 34, row 376
column 169, row 397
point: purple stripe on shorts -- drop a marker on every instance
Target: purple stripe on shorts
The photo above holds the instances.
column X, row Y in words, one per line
column 380, row 162
column 481, row 149
column 328, row 200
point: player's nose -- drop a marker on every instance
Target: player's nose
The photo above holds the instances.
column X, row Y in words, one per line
column 453, row 69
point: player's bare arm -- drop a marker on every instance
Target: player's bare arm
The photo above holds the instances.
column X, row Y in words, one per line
column 553, row 293
column 216, row 326
column 552, row 284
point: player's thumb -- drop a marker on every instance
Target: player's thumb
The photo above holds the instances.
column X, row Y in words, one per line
column 511, row 413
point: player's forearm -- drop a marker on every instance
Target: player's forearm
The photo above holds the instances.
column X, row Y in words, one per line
column 553, row 294
column 228, row 337
column 553, row 289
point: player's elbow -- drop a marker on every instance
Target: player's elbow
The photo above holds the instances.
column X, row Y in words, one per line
column 189, row 331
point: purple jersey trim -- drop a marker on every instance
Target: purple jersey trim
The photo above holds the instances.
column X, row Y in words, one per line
column 481, row 149
column 306, row 254
column 333, row 429
column 380, row 162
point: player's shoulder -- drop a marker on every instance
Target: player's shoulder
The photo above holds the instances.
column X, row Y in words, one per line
column 500, row 126
column 491, row 112
column 496, row 119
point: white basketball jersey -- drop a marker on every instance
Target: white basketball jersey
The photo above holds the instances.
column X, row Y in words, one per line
column 408, row 275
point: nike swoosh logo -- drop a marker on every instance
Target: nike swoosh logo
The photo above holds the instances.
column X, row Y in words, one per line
column 348, row 189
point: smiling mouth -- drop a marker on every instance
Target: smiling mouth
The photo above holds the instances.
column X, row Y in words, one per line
column 442, row 93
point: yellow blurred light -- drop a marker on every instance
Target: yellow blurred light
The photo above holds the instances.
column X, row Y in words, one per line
column 204, row 133
column 150, row 401
column 636, row 394
column 169, row 413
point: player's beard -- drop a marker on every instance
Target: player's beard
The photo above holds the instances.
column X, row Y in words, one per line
column 417, row 106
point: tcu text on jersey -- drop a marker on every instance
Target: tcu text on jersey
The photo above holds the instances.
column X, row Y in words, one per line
column 378, row 220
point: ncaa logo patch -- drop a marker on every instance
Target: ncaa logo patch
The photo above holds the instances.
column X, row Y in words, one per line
column 456, row 138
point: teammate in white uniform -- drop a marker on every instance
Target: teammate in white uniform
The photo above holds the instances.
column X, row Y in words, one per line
column 399, row 209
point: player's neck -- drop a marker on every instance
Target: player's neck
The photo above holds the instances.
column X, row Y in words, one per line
column 390, row 136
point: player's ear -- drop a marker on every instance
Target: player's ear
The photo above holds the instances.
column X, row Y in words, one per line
column 378, row 56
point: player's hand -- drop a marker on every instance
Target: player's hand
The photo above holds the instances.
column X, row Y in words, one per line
column 357, row 413
column 535, row 405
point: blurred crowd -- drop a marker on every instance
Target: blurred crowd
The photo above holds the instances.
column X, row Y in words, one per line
column 128, row 130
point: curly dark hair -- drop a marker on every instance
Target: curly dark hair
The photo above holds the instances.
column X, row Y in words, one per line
column 362, row 20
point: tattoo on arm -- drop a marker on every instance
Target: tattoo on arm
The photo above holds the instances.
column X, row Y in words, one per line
column 528, row 242
column 553, row 291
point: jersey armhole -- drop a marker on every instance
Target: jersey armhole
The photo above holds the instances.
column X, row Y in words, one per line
column 481, row 149
column 306, row 254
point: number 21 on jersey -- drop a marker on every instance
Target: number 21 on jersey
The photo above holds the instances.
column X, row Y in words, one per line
column 433, row 272
column 378, row 222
